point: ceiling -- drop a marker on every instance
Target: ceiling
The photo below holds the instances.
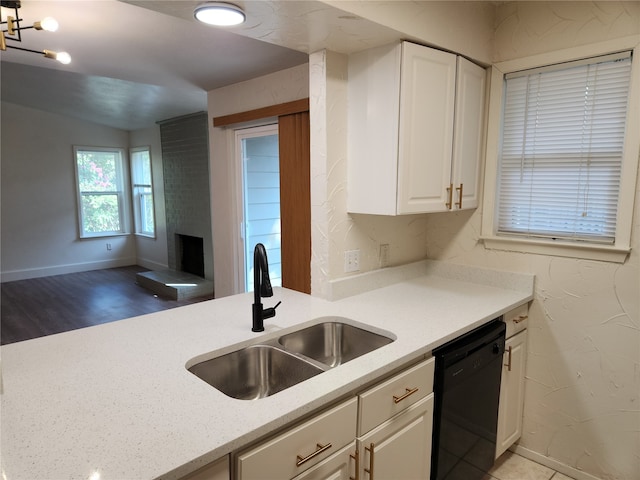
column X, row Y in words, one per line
column 138, row 62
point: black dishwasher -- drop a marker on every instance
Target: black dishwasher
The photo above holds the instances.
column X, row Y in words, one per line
column 467, row 390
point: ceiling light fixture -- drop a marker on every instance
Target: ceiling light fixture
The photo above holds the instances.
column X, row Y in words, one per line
column 219, row 14
column 13, row 30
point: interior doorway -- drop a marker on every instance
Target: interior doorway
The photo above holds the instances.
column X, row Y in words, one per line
column 258, row 152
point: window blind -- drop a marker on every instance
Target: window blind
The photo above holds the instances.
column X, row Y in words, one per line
column 561, row 150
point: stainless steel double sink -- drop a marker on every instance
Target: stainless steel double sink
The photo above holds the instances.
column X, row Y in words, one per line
column 262, row 369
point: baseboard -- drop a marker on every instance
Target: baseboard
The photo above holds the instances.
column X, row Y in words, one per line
column 25, row 274
column 552, row 463
column 151, row 265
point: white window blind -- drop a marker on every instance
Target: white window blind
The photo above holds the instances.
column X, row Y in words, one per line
column 561, row 150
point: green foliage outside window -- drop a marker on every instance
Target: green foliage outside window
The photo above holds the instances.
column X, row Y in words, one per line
column 99, row 186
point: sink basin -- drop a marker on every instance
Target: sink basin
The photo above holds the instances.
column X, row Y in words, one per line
column 333, row 343
column 254, row 372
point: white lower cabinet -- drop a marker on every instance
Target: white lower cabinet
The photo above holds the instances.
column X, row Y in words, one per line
column 340, row 466
column 382, row 433
column 512, row 385
column 400, row 448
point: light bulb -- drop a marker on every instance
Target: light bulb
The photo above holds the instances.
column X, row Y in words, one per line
column 63, row 57
column 219, row 14
column 49, row 24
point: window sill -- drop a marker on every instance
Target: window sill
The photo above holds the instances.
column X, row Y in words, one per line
column 145, row 235
column 102, row 235
column 604, row 253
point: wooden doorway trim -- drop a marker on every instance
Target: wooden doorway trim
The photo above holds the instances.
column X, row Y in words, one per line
column 295, row 197
column 288, row 108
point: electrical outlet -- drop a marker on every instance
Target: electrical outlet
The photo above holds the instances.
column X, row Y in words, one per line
column 384, row 255
column 351, row 261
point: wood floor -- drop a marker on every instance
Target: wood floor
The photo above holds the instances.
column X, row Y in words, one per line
column 44, row 306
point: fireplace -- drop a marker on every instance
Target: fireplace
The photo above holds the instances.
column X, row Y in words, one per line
column 190, row 254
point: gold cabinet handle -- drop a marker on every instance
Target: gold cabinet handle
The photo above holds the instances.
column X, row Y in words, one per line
column 319, row 450
column 459, row 202
column 409, row 391
column 371, row 453
column 508, row 364
column 520, row 318
column 356, row 458
column 450, row 195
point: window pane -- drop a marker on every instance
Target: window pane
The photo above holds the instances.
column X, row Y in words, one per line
column 100, row 190
column 141, row 179
column 100, row 213
column 561, row 152
column 97, row 171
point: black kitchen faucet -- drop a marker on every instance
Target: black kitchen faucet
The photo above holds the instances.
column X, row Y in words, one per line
column 261, row 288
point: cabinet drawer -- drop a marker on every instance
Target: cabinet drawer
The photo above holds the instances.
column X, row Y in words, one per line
column 516, row 319
column 386, row 399
column 301, row 447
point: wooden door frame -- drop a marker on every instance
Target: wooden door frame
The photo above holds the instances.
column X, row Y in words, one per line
column 296, row 229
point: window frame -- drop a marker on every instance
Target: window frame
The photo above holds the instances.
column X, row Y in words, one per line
column 121, row 192
column 617, row 252
column 137, row 207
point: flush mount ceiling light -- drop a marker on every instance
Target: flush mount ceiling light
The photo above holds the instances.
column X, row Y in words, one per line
column 219, row 14
column 13, row 29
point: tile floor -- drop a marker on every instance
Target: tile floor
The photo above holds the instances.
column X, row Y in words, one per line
column 511, row 466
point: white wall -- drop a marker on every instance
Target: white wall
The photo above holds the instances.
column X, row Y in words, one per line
column 151, row 253
column 280, row 87
column 39, row 220
column 39, row 204
column 462, row 27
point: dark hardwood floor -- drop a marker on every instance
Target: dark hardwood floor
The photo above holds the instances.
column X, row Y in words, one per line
column 44, row 306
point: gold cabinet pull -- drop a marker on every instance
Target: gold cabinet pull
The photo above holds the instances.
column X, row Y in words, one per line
column 459, row 202
column 508, row 364
column 319, row 450
column 356, row 458
column 450, row 196
column 370, row 469
column 409, row 391
column 520, row 318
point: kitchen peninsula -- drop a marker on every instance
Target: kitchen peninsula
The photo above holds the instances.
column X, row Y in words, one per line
column 115, row 401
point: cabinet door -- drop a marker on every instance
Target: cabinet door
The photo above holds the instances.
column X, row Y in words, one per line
column 512, row 392
column 427, row 93
column 340, row 466
column 468, row 134
column 399, row 449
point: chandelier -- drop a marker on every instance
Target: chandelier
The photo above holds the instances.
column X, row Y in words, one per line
column 12, row 31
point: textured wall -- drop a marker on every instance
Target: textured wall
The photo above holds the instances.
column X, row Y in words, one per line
column 529, row 28
column 582, row 405
column 185, row 153
column 334, row 231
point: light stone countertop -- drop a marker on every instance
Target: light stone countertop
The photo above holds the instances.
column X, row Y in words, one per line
column 115, row 401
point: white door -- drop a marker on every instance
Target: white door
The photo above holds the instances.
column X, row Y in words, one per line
column 258, row 154
column 399, row 449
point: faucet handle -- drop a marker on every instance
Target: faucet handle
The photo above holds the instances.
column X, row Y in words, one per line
column 270, row 312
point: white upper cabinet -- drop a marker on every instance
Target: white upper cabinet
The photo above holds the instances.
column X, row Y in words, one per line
column 468, row 134
column 415, row 130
